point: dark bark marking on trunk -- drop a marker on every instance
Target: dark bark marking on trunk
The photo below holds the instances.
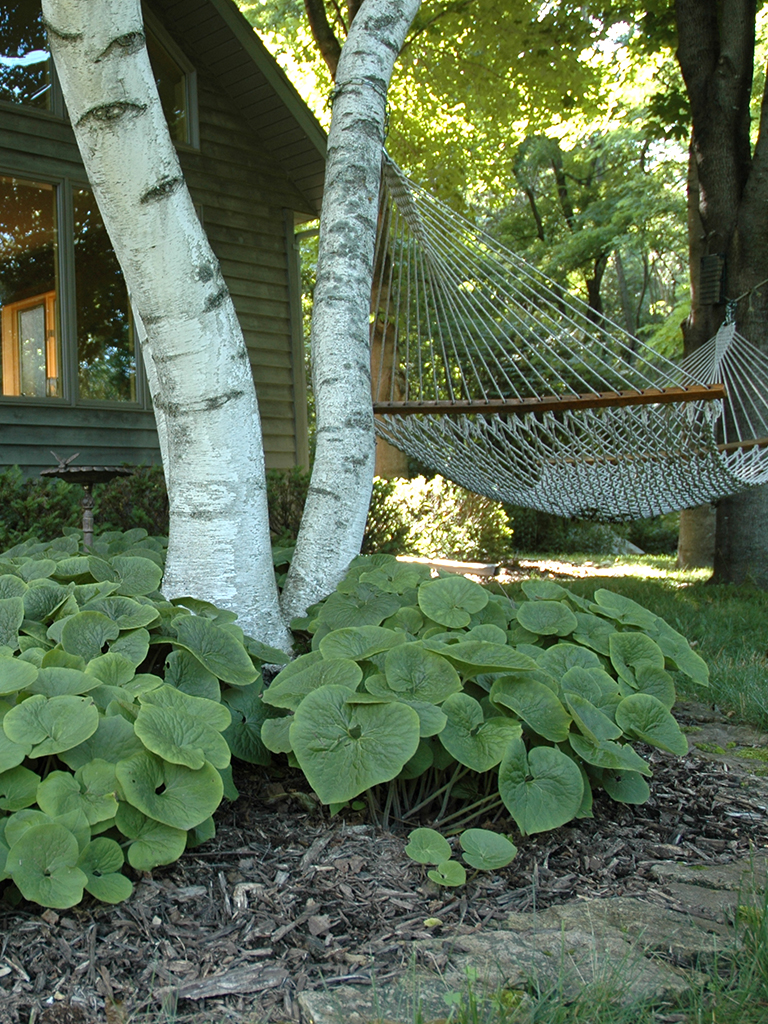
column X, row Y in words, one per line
column 110, row 113
column 162, row 190
column 221, row 400
column 216, row 300
column 60, row 33
column 126, row 45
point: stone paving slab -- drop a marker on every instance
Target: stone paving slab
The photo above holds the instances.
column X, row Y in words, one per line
column 654, row 927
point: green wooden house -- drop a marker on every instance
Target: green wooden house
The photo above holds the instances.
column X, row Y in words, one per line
column 71, row 377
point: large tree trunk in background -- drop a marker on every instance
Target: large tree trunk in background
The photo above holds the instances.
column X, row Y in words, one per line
column 199, row 371
column 728, row 198
column 696, row 544
column 337, row 504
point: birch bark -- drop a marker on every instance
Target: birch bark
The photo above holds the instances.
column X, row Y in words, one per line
column 200, row 375
column 337, row 504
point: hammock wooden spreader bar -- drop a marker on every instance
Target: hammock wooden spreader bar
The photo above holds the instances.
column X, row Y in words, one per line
column 559, row 403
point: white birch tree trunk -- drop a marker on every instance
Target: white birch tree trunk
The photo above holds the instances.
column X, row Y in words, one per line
column 199, row 370
column 337, row 504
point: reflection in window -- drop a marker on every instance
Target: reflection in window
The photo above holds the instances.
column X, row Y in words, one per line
column 106, row 353
column 28, row 288
column 25, row 64
column 171, row 83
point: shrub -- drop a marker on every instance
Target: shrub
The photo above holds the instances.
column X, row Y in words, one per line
column 119, row 710
column 424, row 691
column 388, row 526
column 446, row 521
column 286, row 497
column 35, row 507
column 138, row 501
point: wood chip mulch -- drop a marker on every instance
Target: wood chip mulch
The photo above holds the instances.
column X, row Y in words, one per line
column 284, row 899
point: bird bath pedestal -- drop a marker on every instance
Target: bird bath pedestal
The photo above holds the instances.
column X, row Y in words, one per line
column 86, row 476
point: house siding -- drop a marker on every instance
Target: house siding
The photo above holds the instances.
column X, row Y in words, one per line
column 242, row 193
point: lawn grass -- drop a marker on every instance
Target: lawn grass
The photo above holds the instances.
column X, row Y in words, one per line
column 727, row 626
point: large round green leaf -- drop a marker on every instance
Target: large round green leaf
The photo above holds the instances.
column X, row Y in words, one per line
column 360, row 642
column 547, row 618
column 486, row 850
column 474, row 741
column 645, row 717
column 15, row 675
column 43, row 864
column 275, row 735
column 98, row 783
column 590, row 721
column 72, row 568
column 623, row 609
column 608, row 754
column 136, row 576
column 58, row 793
column 473, row 657
column 12, row 586
column 180, row 739
column 451, row 600
column 185, row 672
column 113, row 669
column 582, row 682
column 541, row 789
column 53, row 724
column 365, row 606
column 55, row 682
column 182, row 729
column 87, row 633
column 426, row 846
column 544, row 590
column 133, row 645
column 626, row 787
column 536, row 704
column 11, row 753
column 249, row 714
column 11, row 618
column 677, row 650
column 307, row 673
column 42, row 600
column 128, row 614
column 594, row 632
column 657, row 682
column 345, row 749
column 18, row 788
column 414, row 673
column 216, row 649
column 630, row 651
column 153, row 843
column 449, row 873
column 558, row 659
column 170, row 793
column 114, row 740
column 101, row 861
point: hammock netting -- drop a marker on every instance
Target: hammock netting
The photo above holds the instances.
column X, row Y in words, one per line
column 494, row 376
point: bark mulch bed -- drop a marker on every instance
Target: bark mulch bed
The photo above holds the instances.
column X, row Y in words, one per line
column 286, row 899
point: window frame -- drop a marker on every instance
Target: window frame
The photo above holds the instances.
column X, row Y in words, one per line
column 161, row 34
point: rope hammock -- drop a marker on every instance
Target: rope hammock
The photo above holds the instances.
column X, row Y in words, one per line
column 494, row 376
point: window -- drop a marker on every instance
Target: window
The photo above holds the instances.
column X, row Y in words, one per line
column 28, row 288
column 44, row 311
column 25, row 63
column 65, row 327
column 106, row 350
column 27, row 77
